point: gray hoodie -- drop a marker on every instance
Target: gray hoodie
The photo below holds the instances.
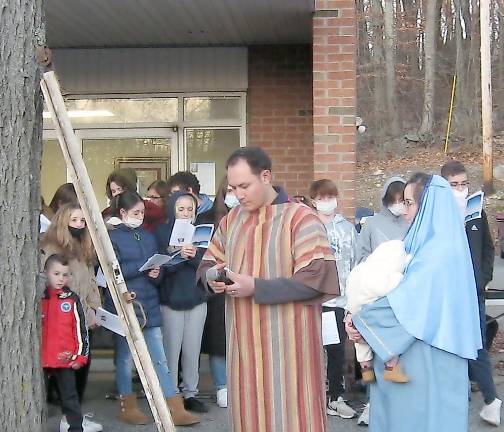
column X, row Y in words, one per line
column 342, row 238
column 381, row 227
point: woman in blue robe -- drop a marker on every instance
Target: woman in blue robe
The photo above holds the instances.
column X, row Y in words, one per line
column 430, row 320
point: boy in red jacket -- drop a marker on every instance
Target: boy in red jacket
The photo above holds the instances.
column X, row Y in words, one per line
column 65, row 344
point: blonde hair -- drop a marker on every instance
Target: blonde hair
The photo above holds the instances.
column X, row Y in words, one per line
column 59, row 235
column 193, row 200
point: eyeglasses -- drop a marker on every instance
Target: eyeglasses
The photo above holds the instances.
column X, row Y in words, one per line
column 409, row 203
column 152, row 197
column 464, row 183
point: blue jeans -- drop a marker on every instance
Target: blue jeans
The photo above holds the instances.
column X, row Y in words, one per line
column 218, row 369
column 480, row 370
column 124, row 362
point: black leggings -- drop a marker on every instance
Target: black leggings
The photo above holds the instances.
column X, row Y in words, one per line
column 336, row 357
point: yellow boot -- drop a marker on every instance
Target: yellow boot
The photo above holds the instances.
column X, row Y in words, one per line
column 368, row 375
column 130, row 412
column 395, row 374
column 179, row 414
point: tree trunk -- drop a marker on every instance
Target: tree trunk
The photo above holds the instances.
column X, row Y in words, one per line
column 462, row 123
column 390, row 64
column 431, row 31
column 379, row 87
column 474, row 76
column 22, row 400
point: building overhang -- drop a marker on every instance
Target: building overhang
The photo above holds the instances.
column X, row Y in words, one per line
column 176, row 23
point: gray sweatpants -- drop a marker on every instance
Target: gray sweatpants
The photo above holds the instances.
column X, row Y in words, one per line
column 182, row 334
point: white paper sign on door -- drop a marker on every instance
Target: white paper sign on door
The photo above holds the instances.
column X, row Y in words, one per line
column 205, row 171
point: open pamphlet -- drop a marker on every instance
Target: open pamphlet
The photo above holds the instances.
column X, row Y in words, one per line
column 185, row 233
column 110, row 321
column 159, row 260
column 474, row 206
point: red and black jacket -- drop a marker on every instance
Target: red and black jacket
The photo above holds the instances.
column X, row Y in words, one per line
column 63, row 329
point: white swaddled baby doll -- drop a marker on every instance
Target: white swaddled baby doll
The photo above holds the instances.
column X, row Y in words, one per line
column 378, row 275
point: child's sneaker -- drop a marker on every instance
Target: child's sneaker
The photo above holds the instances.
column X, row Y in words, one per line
column 491, row 412
column 340, row 408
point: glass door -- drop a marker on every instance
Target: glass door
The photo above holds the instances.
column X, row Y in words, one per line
column 152, row 153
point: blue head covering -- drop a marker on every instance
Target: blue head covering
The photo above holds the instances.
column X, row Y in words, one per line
column 436, row 301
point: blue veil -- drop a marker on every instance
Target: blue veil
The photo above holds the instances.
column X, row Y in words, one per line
column 436, row 301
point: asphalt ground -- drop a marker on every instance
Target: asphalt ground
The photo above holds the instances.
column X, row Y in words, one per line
column 101, row 382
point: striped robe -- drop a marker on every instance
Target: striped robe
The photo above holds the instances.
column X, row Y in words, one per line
column 276, row 374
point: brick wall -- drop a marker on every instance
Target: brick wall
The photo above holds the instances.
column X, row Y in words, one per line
column 334, row 96
column 280, row 112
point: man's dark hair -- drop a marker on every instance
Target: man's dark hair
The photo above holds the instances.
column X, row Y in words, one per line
column 452, row 168
column 53, row 259
column 394, row 189
column 256, row 158
column 419, row 181
column 185, row 180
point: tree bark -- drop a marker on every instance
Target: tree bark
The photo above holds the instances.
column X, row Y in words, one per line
column 462, row 122
column 379, row 84
column 21, row 29
column 390, row 64
column 431, row 31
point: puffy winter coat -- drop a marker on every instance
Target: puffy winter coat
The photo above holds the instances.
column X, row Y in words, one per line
column 133, row 248
column 63, row 329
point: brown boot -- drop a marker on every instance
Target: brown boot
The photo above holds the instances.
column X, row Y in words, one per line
column 368, row 375
column 130, row 412
column 179, row 414
column 395, row 374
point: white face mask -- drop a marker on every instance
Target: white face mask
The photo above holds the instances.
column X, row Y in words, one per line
column 397, row 209
column 231, row 201
column 326, row 207
column 132, row 222
column 461, row 200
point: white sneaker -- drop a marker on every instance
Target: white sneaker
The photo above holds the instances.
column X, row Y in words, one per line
column 340, row 408
column 491, row 412
column 64, row 426
column 364, row 417
column 87, row 424
column 90, row 426
column 222, row 401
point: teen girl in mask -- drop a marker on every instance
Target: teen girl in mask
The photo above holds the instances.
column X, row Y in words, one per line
column 68, row 236
column 342, row 238
column 388, row 223
column 133, row 246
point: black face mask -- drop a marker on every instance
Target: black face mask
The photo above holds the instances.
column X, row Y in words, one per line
column 76, row 232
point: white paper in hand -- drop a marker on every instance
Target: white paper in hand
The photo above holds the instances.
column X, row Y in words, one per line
column 330, row 335
column 156, row 260
column 182, row 233
column 110, row 321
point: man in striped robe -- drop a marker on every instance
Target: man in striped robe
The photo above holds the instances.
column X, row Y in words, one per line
column 282, row 269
